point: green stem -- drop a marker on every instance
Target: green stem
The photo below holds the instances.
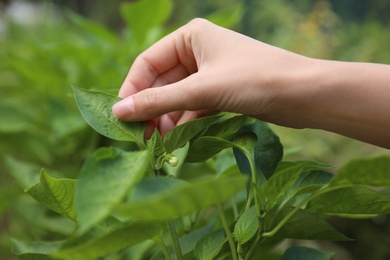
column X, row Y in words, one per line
column 164, row 248
column 175, row 239
column 227, row 231
column 252, row 188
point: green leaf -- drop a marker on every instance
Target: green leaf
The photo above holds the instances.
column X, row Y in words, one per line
column 210, row 245
column 350, row 200
column 246, row 226
column 369, row 171
column 110, row 237
column 157, row 149
column 56, row 194
column 37, row 250
column 179, row 198
column 94, row 29
column 268, row 149
column 206, row 147
column 305, row 225
column 227, row 18
column 144, row 15
column 96, row 108
column 105, row 179
column 307, row 182
column 226, row 128
column 286, row 174
column 26, row 174
column 264, row 148
column 180, row 135
column 301, row 253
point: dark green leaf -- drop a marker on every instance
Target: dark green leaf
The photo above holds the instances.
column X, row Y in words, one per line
column 179, row 198
column 305, row 225
column 226, row 128
column 96, row 108
column 350, row 200
column 206, row 147
column 246, row 226
column 180, row 135
column 264, row 149
column 369, row 171
column 56, row 194
column 210, row 245
column 305, row 253
column 105, row 179
column 268, row 149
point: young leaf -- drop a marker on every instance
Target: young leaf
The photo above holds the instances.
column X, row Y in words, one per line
column 156, row 148
column 305, row 225
column 104, row 180
column 56, row 194
column 300, row 252
column 180, row 135
column 246, row 226
column 96, row 108
column 350, row 200
column 210, row 245
column 286, row 174
column 179, row 198
column 109, row 239
column 369, row 171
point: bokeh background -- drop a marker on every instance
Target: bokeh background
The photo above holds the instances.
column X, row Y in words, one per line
column 48, row 46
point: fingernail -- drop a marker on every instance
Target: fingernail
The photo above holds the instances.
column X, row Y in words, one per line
column 123, row 108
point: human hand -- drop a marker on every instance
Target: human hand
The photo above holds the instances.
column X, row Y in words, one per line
column 202, row 68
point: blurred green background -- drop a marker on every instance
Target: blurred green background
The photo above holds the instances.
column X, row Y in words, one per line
column 48, row 46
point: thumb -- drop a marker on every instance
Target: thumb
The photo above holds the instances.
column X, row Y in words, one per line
column 154, row 102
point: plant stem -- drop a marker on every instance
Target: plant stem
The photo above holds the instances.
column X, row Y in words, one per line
column 227, row 231
column 164, row 248
column 175, row 239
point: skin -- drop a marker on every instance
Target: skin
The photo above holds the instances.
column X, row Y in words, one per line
column 202, row 68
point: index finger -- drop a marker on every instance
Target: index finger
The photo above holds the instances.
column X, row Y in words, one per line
column 161, row 57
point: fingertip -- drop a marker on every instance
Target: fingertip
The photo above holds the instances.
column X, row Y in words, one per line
column 124, row 108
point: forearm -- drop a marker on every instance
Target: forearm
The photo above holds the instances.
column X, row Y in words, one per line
column 352, row 99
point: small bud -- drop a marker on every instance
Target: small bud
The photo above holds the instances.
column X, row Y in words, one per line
column 172, row 160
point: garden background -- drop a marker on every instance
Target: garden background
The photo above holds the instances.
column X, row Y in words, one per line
column 48, row 46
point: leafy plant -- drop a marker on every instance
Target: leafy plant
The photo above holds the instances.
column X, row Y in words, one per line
column 232, row 210
column 231, row 193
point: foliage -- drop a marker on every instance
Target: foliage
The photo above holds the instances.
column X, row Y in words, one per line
column 114, row 195
column 124, row 198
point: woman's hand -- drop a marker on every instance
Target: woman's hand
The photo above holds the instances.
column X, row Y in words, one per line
column 202, row 68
